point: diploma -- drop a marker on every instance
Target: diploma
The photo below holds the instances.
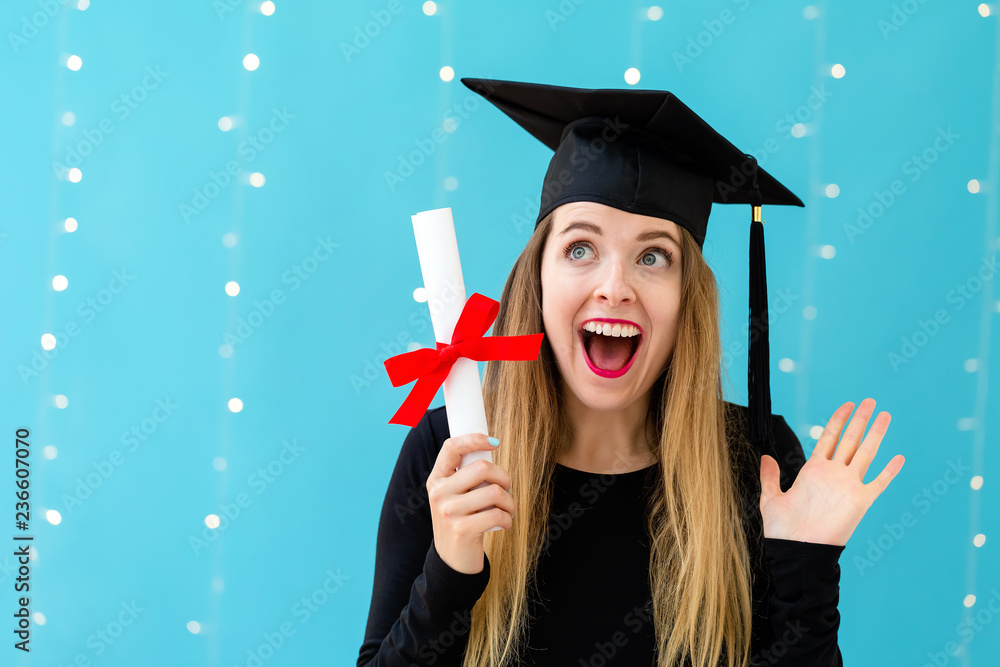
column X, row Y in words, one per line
column 444, row 286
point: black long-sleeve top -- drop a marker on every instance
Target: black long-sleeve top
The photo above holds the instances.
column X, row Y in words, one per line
column 595, row 605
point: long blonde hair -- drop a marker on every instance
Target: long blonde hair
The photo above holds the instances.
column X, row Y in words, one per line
column 699, row 563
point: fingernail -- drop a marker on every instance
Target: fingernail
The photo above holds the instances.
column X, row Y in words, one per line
column 494, row 442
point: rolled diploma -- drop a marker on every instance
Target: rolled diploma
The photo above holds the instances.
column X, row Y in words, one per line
column 444, row 287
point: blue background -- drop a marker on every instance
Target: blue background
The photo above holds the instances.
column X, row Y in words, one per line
column 913, row 69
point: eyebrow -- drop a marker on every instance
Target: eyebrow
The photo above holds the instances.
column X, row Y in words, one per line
column 645, row 236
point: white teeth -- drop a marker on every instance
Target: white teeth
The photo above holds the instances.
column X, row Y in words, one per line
column 616, row 330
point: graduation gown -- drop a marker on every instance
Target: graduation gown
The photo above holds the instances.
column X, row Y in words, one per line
column 595, row 606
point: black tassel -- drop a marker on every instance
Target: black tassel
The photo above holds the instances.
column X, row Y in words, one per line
column 758, row 371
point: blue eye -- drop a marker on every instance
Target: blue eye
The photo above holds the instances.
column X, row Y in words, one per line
column 578, row 250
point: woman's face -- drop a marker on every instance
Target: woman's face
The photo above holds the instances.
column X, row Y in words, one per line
column 622, row 271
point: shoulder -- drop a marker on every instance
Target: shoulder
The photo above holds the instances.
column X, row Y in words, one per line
column 437, row 419
column 423, row 442
column 787, row 449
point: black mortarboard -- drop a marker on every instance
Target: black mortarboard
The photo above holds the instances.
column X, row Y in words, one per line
column 646, row 152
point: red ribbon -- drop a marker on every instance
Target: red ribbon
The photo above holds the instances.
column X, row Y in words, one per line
column 430, row 367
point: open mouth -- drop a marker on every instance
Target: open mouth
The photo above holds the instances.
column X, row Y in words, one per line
column 609, row 356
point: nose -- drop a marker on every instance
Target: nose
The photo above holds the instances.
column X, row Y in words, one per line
column 614, row 286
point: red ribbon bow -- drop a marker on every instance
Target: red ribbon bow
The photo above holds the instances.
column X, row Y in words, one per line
column 430, row 367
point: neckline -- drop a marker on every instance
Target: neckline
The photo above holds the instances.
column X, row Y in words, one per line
column 606, row 474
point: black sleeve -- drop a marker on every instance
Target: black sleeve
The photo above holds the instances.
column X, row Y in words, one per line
column 421, row 608
column 802, row 615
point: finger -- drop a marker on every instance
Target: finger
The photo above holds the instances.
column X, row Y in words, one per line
column 856, row 429
column 770, row 478
column 831, row 433
column 480, row 522
column 869, row 447
column 878, row 485
column 477, row 500
column 475, row 475
column 450, row 456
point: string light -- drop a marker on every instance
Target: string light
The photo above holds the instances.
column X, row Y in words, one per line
column 251, row 63
column 817, row 188
column 977, row 423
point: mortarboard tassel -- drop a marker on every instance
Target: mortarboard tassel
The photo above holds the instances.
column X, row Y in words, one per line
column 758, row 372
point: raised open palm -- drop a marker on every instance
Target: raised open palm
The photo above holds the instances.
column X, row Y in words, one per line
column 829, row 495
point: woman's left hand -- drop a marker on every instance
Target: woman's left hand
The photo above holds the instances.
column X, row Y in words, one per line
column 829, row 496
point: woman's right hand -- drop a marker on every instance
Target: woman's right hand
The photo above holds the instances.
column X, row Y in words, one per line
column 456, row 502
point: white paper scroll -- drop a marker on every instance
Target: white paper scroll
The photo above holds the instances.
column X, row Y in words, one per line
column 444, row 286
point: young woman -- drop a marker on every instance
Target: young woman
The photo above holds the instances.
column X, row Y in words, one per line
column 640, row 526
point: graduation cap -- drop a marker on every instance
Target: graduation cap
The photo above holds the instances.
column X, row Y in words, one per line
column 646, row 152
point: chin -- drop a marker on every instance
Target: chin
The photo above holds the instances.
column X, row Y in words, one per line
column 603, row 398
